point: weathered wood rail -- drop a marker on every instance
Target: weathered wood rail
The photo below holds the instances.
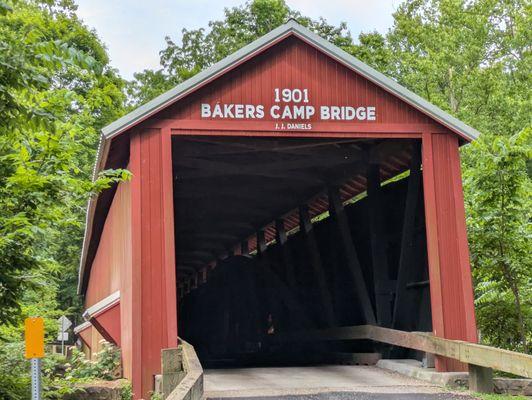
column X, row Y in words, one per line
column 182, row 374
column 481, row 359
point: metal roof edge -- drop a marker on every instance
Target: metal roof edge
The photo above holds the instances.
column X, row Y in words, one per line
column 391, row 85
column 183, row 88
column 82, row 327
column 102, row 305
column 91, row 207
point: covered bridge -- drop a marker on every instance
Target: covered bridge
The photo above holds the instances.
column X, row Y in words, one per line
column 288, row 187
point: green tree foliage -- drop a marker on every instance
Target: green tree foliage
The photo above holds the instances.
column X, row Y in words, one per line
column 56, row 91
column 200, row 48
column 499, row 201
column 472, row 58
column 61, row 378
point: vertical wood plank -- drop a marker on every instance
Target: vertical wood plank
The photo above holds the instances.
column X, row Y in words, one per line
column 168, row 250
column 449, row 271
column 463, row 247
column 132, row 309
column 153, row 309
column 480, row 379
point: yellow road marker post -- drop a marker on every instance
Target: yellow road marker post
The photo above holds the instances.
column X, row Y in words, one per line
column 34, row 337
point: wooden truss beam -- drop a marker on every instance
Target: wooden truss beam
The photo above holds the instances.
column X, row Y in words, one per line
column 327, row 312
column 285, row 254
column 379, row 248
column 340, row 219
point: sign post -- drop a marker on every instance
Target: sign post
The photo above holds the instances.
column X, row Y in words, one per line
column 34, row 337
column 64, row 324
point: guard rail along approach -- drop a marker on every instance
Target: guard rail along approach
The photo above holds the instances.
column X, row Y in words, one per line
column 183, row 375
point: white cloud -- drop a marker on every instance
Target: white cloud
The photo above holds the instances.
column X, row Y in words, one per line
column 134, row 30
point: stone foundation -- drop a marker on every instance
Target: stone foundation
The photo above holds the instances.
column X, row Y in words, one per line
column 99, row 390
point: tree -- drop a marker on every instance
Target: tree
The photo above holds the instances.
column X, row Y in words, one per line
column 499, row 203
column 56, row 91
column 201, row 48
column 472, row 58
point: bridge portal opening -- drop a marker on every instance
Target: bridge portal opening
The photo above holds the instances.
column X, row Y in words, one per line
column 276, row 237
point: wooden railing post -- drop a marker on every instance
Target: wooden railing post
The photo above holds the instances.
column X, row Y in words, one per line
column 182, row 373
column 480, row 379
column 172, row 369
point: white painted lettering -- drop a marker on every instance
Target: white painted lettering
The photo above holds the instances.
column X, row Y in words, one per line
column 217, row 112
column 205, row 110
column 250, row 111
column 361, row 113
column 325, row 113
column 228, row 111
column 274, row 112
column 239, row 111
column 260, row 111
column 371, row 114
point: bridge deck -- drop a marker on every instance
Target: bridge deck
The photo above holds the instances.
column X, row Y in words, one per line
column 335, row 380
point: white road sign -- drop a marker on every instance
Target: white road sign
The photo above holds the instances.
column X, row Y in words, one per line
column 64, row 323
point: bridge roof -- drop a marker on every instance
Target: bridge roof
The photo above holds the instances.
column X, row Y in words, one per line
column 276, row 35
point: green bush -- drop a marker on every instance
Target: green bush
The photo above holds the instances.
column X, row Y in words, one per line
column 107, row 365
column 59, row 375
column 127, row 392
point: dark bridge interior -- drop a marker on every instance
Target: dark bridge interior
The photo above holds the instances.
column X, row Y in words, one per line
column 279, row 236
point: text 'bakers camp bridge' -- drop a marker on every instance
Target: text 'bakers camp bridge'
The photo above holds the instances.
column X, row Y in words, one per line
column 288, row 188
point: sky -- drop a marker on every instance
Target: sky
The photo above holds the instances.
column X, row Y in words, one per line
column 134, row 30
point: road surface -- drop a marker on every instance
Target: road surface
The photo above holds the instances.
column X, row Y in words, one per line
column 335, row 382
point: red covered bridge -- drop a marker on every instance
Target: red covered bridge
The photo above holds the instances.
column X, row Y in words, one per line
column 288, row 187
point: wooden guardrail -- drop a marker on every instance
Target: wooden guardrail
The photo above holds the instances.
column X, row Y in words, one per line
column 481, row 359
column 182, row 374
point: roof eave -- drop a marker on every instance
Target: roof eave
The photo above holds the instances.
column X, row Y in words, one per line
column 101, row 155
column 181, row 90
column 184, row 88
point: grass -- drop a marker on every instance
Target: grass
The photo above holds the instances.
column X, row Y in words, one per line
column 493, row 396
column 486, row 396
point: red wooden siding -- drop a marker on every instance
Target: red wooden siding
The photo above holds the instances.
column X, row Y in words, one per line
column 108, row 324
column 291, row 64
column 450, row 274
column 114, row 250
column 86, row 337
column 152, row 314
column 111, row 261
